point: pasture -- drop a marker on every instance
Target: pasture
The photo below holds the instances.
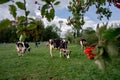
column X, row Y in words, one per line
column 38, row 65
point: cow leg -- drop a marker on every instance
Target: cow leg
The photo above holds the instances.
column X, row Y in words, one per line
column 51, row 48
column 67, row 54
column 81, row 43
column 60, row 52
column 23, row 50
column 19, row 51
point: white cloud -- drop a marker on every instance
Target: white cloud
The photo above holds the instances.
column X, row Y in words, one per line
column 88, row 23
column 4, row 11
column 64, row 27
column 63, row 4
column 115, row 23
column 93, row 24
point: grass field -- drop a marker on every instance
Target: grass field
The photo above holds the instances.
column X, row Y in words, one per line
column 38, row 65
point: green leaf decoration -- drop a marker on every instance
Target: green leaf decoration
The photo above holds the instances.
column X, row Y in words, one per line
column 4, row 1
column 13, row 10
column 31, row 27
column 57, row 3
column 20, row 5
column 5, row 23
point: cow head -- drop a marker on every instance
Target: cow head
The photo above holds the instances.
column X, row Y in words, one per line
column 67, row 53
column 20, row 47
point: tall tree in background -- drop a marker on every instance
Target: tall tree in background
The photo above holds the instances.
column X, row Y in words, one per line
column 50, row 33
column 7, row 33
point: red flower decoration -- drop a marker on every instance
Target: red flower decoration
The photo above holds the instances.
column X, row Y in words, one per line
column 88, row 52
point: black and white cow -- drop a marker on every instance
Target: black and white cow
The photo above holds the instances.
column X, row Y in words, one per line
column 82, row 43
column 22, row 47
column 61, row 45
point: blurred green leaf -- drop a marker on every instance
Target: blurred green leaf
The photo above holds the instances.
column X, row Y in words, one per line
column 4, row 1
column 22, row 37
column 52, row 0
column 31, row 27
column 52, row 13
column 13, row 10
column 57, row 3
column 28, row 12
column 20, row 27
column 112, row 49
column 48, row 16
column 20, row 5
column 21, row 19
column 43, row 10
column 110, row 34
column 45, row 7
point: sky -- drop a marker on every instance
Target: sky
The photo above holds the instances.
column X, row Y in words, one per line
column 61, row 13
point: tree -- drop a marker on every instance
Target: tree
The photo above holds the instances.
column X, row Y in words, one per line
column 7, row 33
column 39, row 31
column 90, row 35
column 50, row 33
column 80, row 7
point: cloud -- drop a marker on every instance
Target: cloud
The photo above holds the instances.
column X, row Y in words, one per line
column 114, row 23
column 64, row 27
column 4, row 11
column 88, row 23
column 63, row 4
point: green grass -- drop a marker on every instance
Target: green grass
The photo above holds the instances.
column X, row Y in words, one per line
column 38, row 65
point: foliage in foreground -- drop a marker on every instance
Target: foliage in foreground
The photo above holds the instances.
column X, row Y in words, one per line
column 38, row 65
